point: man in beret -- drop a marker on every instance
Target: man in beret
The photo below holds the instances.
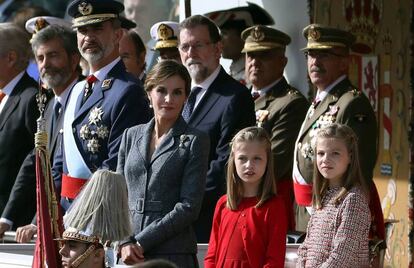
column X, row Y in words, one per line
column 337, row 101
column 102, row 107
column 232, row 22
column 165, row 34
column 279, row 107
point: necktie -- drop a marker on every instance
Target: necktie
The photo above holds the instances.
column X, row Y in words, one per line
column 316, row 101
column 2, row 95
column 88, row 87
column 255, row 95
column 189, row 106
column 56, row 113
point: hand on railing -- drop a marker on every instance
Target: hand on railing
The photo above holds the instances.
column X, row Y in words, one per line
column 3, row 228
column 25, row 233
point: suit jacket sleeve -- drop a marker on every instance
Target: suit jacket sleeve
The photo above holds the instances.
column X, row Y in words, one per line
column 211, row 258
column 132, row 109
column 186, row 210
column 238, row 115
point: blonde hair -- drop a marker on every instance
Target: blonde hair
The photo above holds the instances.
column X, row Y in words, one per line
column 267, row 187
column 102, row 207
column 353, row 175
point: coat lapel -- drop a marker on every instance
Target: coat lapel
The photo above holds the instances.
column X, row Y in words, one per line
column 96, row 96
column 276, row 91
column 208, row 100
column 170, row 139
column 11, row 104
column 143, row 142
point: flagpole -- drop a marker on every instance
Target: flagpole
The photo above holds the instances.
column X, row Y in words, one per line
column 49, row 219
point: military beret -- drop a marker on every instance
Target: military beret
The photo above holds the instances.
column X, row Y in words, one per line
column 36, row 24
column 165, row 34
column 241, row 17
column 324, row 37
column 86, row 12
column 126, row 23
column 259, row 38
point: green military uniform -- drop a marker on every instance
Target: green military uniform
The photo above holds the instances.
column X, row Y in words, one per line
column 280, row 110
column 343, row 104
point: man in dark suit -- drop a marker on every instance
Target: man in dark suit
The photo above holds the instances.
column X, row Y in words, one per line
column 102, row 107
column 337, row 101
column 280, row 108
column 217, row 105
column 57, row 56
column 18, row 108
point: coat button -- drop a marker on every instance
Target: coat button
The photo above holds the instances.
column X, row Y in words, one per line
column 74, row 130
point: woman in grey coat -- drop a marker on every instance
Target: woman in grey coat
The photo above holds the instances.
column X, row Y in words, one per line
column 165, row 165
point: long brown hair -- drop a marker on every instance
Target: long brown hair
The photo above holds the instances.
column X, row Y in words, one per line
column 267, row 187
column 353, row 175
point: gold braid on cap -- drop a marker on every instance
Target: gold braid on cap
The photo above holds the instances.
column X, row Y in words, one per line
column 71, row 234
column 81, row 258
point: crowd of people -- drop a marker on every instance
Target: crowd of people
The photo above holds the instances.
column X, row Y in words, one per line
column 202, row 156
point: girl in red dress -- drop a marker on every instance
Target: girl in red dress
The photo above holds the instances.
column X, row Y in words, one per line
column 249, row 225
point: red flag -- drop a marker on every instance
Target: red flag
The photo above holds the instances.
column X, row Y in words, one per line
column 49, row 217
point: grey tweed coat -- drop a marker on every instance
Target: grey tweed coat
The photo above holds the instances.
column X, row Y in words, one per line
column 165, row 190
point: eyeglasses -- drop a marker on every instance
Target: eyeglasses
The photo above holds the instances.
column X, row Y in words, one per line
column 197, row 46
column 321, row 55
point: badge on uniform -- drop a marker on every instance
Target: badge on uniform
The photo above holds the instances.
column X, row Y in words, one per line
column 107, row 83
column 261, row 117
column 94, row 130
column 333, row 109
column 360, row 117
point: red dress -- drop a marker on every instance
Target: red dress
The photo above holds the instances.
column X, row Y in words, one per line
column 249, row 236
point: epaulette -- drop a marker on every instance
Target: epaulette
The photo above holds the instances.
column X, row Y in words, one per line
column 293, row 91
column 355, row 92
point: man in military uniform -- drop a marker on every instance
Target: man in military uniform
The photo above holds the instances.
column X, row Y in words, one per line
column 280, row 108
column 232, row 22
column 337, row 101
column 102, row 107
column 165, row 35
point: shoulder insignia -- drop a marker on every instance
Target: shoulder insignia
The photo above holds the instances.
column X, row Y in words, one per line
column 107, row 83
column 355, row 92
column 292, row 91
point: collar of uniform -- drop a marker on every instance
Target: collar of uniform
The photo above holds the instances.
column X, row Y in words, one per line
column 103, row 72
column 322, row 93
column 267, row 88
column 8, row 89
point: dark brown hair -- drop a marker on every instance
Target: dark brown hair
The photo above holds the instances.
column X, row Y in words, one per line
column 166, row 69
column 199, row 20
